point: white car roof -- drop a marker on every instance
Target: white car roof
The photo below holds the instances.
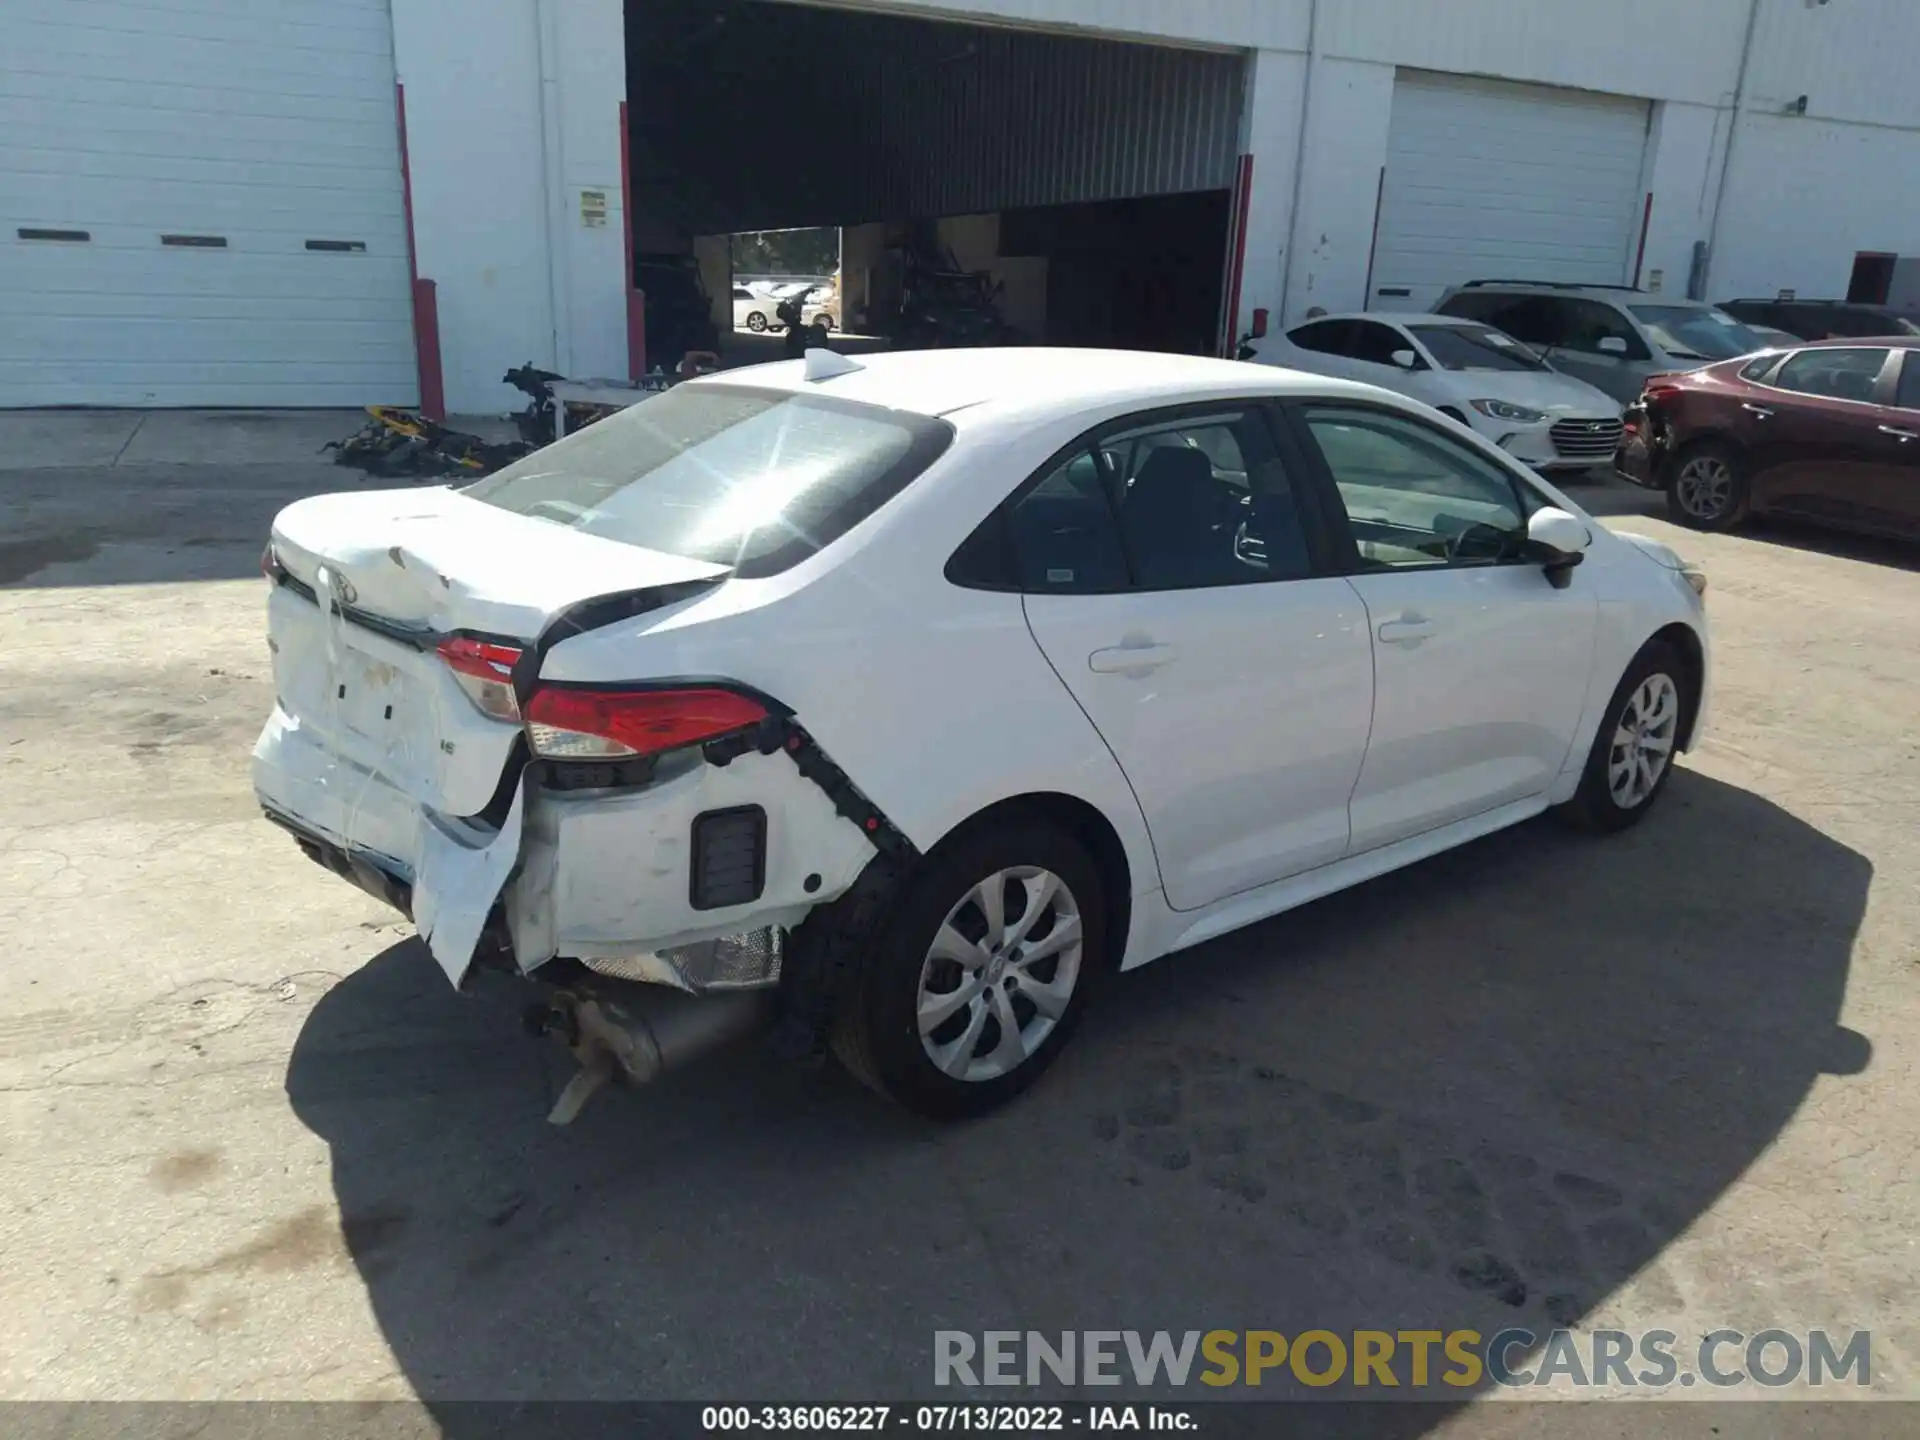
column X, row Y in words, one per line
column 1036, row 380
column 1399, row 317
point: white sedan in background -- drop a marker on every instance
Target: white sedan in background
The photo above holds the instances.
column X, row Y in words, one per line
column 900, row 700
column 1477, row 375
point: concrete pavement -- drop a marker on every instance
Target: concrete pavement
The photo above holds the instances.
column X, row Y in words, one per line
column 256, row 1148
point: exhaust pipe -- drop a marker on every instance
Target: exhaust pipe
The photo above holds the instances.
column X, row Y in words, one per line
column 641, row 1033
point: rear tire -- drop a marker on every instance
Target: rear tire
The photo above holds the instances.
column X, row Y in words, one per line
column 756, row 322
column 1707, row 489
column 947, row 1020
column 1636, row 744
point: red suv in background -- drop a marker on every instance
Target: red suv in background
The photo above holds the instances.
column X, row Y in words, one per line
column 1828, row 431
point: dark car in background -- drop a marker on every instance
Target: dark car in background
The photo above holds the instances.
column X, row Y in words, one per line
column 1822, row 319
column 1828, row 432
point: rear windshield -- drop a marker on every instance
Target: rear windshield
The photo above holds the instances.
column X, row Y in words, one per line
column 1697, row 332
column 1471, row 347
column 756, row 480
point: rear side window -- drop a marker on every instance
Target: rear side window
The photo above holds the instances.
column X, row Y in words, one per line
column 756, row 480
column 1757, row 369
column 1064, row 538
column 1909, row 396
column 1325, row 337
column 1838, row 374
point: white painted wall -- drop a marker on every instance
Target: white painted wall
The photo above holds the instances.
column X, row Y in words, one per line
column 498, row 161
column 1683, row 151
column 1804, row 194
column 1272, row 136
column 1350, row 103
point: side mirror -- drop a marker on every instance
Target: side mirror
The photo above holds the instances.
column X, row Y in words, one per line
column 1612, row 345
column 1558, row 541
column 1405, row 359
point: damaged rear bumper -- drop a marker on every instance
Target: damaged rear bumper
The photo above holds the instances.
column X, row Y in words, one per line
column 611, row 877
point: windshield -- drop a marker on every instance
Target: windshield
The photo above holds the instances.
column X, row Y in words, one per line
column 756, row 480
column 1697, row 332
column 1475, row 347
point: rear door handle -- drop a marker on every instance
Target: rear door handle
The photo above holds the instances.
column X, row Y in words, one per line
column 1130, row 659
column 1902, row 435
column 1405, row 632
column 1759, row 410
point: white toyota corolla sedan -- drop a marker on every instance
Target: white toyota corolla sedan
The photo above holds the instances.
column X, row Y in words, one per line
column 898, row 701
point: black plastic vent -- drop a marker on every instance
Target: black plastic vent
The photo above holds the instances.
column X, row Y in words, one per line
column 729, row 857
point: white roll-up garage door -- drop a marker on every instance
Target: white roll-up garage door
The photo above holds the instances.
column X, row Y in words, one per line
column 1491, row 180
column 201, row 205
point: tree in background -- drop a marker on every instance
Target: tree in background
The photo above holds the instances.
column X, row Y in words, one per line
column 787, row 252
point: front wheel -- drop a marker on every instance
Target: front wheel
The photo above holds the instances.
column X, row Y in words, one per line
column 977, row 978
column 1633, row 751
column 1708, row 490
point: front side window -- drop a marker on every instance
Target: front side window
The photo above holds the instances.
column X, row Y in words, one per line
column 1696, row 332
column 1838, row 374
column 1375, row 343
column 755, row 480
column 1475, row 347
column 1540, row 320
column 1588, row 322
column 1475, row 305
column 1415, row 498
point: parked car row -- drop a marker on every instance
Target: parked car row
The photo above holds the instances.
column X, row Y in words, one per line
column 1749, row 407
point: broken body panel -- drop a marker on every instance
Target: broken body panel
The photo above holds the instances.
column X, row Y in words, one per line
column 374, row 747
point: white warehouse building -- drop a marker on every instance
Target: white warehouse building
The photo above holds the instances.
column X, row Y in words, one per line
column 338, row 202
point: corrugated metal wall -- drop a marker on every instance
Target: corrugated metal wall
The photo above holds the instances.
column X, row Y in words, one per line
column 782, row 115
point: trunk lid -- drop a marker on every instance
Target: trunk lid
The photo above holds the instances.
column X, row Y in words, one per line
column 379, row 578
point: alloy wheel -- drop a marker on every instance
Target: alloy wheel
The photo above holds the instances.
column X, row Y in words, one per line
column 1704, row 487
column 1643, row 740
column 1000, row 973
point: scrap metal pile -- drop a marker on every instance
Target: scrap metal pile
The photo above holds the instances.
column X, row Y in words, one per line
column 403, row 444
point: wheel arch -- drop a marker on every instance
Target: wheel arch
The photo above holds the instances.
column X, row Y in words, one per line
column 1685, row 642
column 1725, row 439
column 1085, row 823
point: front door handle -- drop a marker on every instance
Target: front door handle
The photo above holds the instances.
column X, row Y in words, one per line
column 1760, row 411
column 1410, row 631
column 1130, row 659
column 1902, row 435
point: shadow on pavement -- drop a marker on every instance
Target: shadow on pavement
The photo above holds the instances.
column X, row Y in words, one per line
column 1612, row 499
column 149, row 524
column 1485, row 1091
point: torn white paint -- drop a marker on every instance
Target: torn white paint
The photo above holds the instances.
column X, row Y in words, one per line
column 457, row 880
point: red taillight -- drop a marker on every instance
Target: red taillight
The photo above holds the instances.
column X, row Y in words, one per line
column 485, row 672
column 619, row 724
